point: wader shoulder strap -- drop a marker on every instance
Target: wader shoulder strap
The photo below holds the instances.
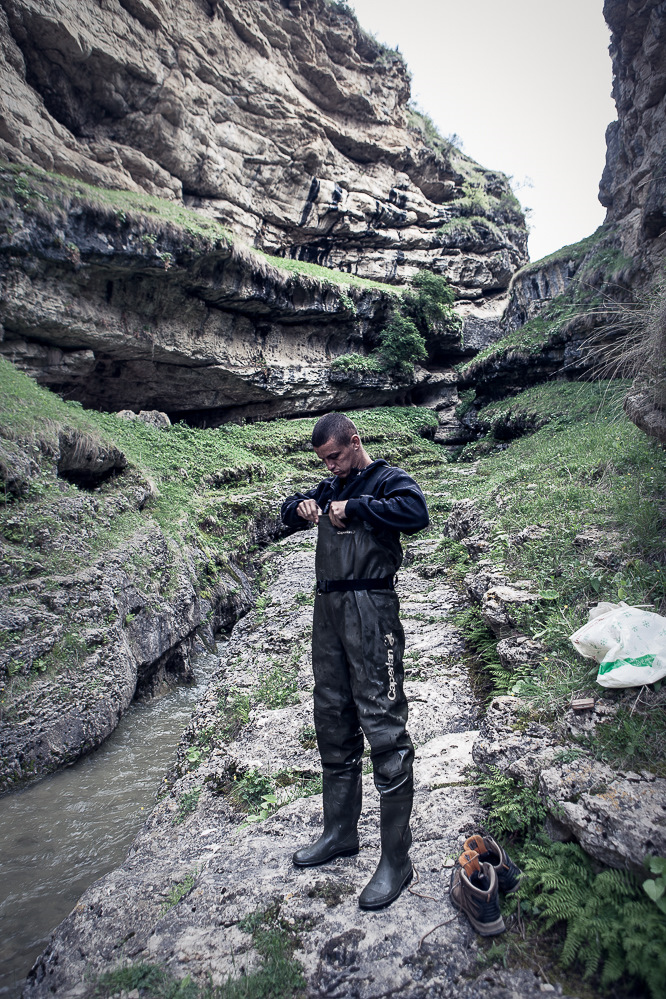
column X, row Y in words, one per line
column 335, row 585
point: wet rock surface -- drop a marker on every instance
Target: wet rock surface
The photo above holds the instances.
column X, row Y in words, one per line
column 617, row 817
column 237, row 869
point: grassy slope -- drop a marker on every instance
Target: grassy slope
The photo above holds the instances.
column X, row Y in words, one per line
column 211, row 485
column 590, row 294
column 587, row 467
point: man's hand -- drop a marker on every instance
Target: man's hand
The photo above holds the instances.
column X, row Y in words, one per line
column 336, row 512
column 309, row 510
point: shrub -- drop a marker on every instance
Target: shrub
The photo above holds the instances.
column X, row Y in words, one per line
column 356, row 363
column 430, row 300
column 401, row 344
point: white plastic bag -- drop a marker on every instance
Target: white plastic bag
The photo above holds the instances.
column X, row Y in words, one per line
column 628, row 643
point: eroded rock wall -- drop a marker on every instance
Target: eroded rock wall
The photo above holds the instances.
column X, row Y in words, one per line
column 633, row 186
column 124, row 313
column 284, row 120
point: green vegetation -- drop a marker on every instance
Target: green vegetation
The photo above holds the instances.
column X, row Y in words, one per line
column 432, row 137
column 415, row 324
column 187, row 804
column 328, row 275
column 179, row 891
column 573, row 251
column 474, row 227
column 528, row 339
column 280, row 975
column 261, row 794
column 357, row 364
column 586, row 466
column 50, row 196
column 605, row 925
column 514, row 809
column 402, row 344
column 589, row 298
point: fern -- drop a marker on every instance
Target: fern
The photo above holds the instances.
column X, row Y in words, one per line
column 514, row 808
column 612, row 930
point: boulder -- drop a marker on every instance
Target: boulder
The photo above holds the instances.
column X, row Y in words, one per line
column 519, row 651
column 617, row 818
column 465, row 519
column 477, row 583
column 499, row 605
column 151, row 417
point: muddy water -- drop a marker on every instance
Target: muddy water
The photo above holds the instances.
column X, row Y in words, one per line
column 62, row 833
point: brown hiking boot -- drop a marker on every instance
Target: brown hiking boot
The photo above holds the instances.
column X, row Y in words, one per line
column 489, row 850
column 474, row 891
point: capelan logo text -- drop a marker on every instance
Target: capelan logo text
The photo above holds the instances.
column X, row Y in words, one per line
column 389, row 665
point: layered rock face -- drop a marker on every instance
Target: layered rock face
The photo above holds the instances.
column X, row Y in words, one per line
column 284, row 120
column 596, row 324
column 126, row 314
column 633, row 186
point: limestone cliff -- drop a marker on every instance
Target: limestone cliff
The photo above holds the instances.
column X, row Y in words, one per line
column 598, row 305
column 633, row 186
column 284, row 120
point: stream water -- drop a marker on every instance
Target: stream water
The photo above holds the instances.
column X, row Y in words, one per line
column 60, row 834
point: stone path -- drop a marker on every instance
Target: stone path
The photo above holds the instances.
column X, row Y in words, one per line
column 230, row 869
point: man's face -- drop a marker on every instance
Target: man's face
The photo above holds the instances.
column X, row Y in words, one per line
column 340, row 458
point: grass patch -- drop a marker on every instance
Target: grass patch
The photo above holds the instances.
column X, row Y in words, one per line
column 187, row 804
column 327, row 275
column 46, row 193
column 279, row 976
column 527, row 339
column 636, row 736
column 51, row 196
column 573, row 251
column 179, row 891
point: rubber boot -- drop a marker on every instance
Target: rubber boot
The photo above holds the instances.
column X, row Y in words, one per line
column 342, row 808
column 394, row 871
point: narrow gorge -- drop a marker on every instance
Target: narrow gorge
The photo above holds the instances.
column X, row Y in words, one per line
column 219, row 221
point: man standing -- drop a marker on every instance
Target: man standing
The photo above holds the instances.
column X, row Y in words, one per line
column 357, row 648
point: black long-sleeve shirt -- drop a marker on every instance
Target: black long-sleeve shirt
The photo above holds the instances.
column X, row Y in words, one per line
column 381, row 494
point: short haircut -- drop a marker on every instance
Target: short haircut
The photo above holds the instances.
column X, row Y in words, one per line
column 333, row 426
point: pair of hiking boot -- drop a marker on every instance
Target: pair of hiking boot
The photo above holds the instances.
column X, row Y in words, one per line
column 484, row 870
column 342, row 809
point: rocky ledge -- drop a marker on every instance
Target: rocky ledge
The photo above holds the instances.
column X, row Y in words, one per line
column 122, row 305
column 200, row 879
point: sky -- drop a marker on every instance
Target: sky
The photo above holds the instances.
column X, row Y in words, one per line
column 526, row 86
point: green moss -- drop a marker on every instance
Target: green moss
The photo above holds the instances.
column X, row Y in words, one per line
column 326, row 274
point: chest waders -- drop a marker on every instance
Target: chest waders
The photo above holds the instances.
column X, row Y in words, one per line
column 357, row 650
